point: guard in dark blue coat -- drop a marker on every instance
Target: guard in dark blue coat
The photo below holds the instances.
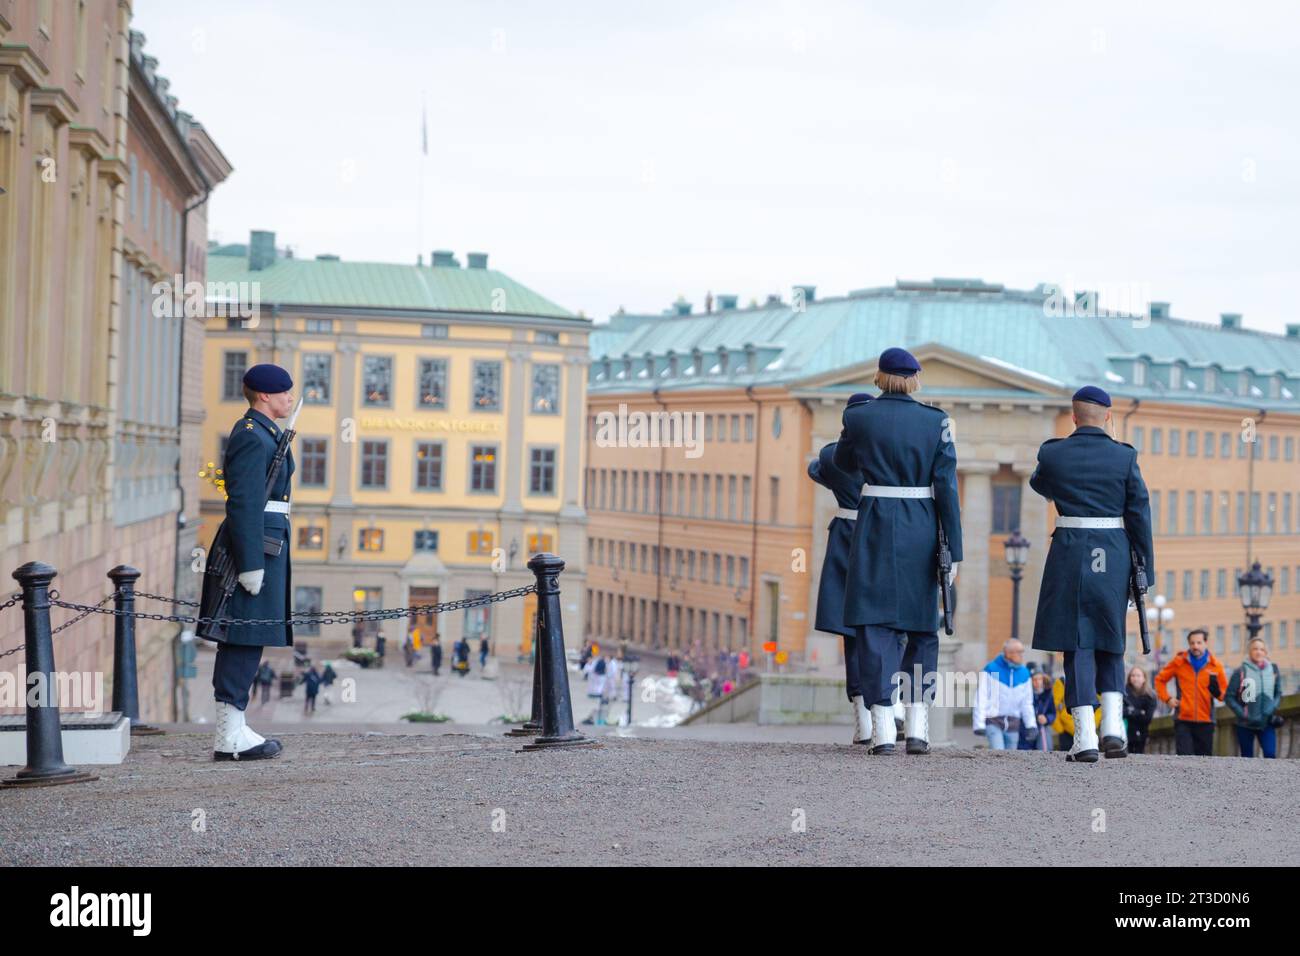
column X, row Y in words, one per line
column 1102, row 511
column 847, row 488
column 256, row 527
column 905, row 453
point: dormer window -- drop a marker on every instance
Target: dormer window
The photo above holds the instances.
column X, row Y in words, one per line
column 1139, row 372
column 1211, row 379
column 1175, row 376
column 1243, row 383
column 1275, row 387
column 672, row 366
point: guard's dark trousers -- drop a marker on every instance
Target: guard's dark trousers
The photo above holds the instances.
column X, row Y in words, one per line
column 232, row 677
column 1089, row 672
column 853, row 651
column 884, row 652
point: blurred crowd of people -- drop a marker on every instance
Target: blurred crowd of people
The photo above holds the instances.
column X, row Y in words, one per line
column 1021, row 707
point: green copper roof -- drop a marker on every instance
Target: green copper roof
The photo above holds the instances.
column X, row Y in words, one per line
column 381, row 285
column 1004, row 328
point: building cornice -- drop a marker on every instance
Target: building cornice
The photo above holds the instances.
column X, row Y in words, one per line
column 55, row 101
column 21, row 61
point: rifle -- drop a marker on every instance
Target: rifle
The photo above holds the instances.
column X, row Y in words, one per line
column 945, row 570
column 1137, row 585
column 221, row 562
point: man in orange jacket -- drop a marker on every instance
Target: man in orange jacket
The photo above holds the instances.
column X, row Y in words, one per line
column 1201, row 680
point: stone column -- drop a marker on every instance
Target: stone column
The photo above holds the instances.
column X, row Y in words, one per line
column 1035, row 527
column 571, row 529
column 970, row 625
column 941, row 715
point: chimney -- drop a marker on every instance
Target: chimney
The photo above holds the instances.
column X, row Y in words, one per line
column 809, row 292
column 261, row 250
column 476, row 260
column 1159, row 310
column 444, row 258
column 1293, row 331
column 1230, row 320
column 773, row 300
column 726, row 302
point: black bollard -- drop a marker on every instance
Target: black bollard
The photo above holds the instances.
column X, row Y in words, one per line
column 557, row 710
column 126, row 693
column 45, row 766
column 533, row 726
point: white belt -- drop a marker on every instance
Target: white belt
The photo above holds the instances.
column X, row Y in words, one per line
column 1068, row 521
column 279, row 507
column 897, row 491
column 850, row 513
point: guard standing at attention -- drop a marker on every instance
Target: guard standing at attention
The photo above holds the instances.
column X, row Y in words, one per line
column 847, row 488
column 905, row 452
column 257, row 530
column 1102, row 512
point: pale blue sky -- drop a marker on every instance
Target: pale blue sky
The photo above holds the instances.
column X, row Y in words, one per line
column 620, row 154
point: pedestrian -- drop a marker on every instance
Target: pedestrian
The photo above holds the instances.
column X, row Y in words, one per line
column 327, row 677
column 435, row 655
column 255, row 532
column 311, row 683
column 460, row 657
column 408, row 650
column 1044, row 714
column 380, row 644
column 482, row 652
column 905, row 453
column 1139, row 708
column 1254, row 693
column 1200, row 680
column 1103, row 517
column 266, row 679
column 1004, row 701
column 846, row 486
column 595, row 671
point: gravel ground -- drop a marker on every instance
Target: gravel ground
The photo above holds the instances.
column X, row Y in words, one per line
column 397, row 799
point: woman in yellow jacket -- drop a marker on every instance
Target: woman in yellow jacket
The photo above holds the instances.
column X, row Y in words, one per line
column 1064, row 723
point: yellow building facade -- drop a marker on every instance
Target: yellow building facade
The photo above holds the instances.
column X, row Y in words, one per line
column 439, row 444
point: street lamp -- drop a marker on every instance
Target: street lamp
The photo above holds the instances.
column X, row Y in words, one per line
column 1256, row 589
column 1017, row 548
column 1159, row 615
column 630, row 662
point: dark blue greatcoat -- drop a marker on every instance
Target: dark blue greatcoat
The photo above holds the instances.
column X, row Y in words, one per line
column 248, row 458
column 893, row 566
column 847, row 487
column 1090, row 475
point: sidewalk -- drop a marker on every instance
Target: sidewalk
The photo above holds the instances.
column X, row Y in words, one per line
column 463, row 799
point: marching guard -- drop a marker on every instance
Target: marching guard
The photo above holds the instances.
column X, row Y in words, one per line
column 257, row 536
column 1102, row 512
column 847, row 488
column 905, row 453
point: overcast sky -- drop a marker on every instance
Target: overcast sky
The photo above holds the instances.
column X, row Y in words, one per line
column 622, row 154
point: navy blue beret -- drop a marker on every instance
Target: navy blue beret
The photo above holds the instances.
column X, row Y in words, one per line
column 898, row 361
column 268, row 378
column 857, row 398
column 1091, row 393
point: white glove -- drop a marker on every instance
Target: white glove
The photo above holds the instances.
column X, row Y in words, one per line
column 952, row 575
column 252, row 580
